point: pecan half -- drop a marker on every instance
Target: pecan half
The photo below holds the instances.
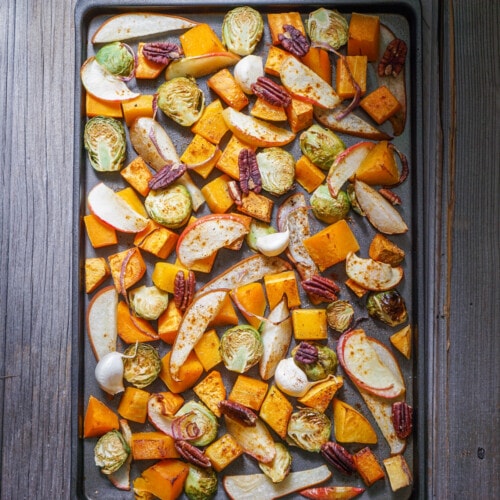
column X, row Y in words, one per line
column 390, row 196
column 162, row 52
column 250, row 179
column 238, row 412
column 294, row 41
column 339, row 457
column 234, row 192
column 321, row 287
column 394, row 57
column 402, row 419
column 306, row 353
column 271, row 91
column 184, row 289
column 192, row 454
column 167, row 175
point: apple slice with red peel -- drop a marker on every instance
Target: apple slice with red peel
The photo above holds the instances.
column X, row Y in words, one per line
column 208, row 234
column 256, row 440
column 103, row 85
column 258, row 133
column 195, row 321
column 332, row 492
column 138, row 25
column 366, row 368
column 101, row 321
column 105, row 204
column 198, row 66
column 380, row 212
column 304, row 84
column 372, row 274
column 345, row 166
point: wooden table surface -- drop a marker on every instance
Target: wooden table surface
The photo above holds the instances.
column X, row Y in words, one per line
column 460, row 71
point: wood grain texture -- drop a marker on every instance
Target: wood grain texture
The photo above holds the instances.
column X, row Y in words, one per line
column 460, row 42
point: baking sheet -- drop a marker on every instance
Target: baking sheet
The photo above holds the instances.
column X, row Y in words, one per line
column 403, row 19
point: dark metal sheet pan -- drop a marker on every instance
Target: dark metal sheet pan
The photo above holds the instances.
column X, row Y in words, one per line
column 403, row 17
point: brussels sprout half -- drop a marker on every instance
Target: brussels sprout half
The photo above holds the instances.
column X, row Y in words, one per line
column 142, row 369
column 388, row 307
column 148, row 302
column 327, row 26
column 320, row 145
column 277, row 170
column 111, row 451
column 116, row 58
column 170, row 207
column 339, row 315
column 241, row 348
column 242, row 29
column 199, row 418
column 328, row 209
column 309, row 429
column 201, row 484
column 280, row 466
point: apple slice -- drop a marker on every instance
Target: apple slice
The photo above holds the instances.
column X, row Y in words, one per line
column 256, row 132
column 208, row 234
column 198, row 66
column 304, row 84
column 105, row 204
column 332, row 492
column 101, row 321
column 381, row 214
column 350, row 125
column 103, row 85
column 364, row 366
column 137, row 25
column 345, row 165
column 372, row 274
column 195, row 321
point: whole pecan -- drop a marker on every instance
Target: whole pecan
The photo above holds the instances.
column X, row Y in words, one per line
column 250, row 179
column 294, row 41
column 321, row 287
column 394, row 57
column 271, row 92
column 306, row 353
column 402, row 419
column 192, row 454
column 162, row 52
column 339, row 457
column 167, row 175
column 238, row 412
column 184, row 289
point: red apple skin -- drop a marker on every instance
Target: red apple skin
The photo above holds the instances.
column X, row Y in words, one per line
column 386, row 393
column 332, row 492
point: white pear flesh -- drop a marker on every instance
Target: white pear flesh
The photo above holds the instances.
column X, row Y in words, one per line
column 372, row 274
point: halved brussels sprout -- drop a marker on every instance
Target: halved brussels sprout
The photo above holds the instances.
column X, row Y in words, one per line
column 148, row 302
column 105, row 140
column 116, row 58
column 328, row 209
column 111, row 451
column 309, row 429
column 201, row 484
column 327, row 26
column 325, row 365
column 257, row 229
column 199, row 421
column 170, row 207
column 182, row 100
column 320, row 145
column 279, row 468
column 242, row 29
column 388, row 307
column 277, row 170
column 142, row 369
column 241, row 348
column 339, row 315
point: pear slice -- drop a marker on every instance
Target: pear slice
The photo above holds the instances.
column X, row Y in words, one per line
column 198, row 66
column 372, row 274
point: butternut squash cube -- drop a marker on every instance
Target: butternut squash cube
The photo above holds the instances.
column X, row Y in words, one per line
column 276, row 410
column 153, row 446
column 309, row 324
column 135, row 267
column 368, row 466
column 146, row 69
column 228, row 161
column 99, row 233
column 277, row 22
column 320, row 395
column 257, row 205
column 97, row 107
column 379, row 166
column 96, row 272
column 226, row 315
column 398, row 472
column 189, row 373
column 200, row 39
column 266, row 111
column 211, row 391
column 319, row 61
column 129, row 195
column 138, row 175
column 380, row 104
column 331, row 245
column 251, row 300
column 201, row 152
column 223, row 452
column 384, row 250
column 211, row 125
column 164, row 275
column 99, row 419
column 216, row 193
column 350, row 425
column 207, row 349
column 358, row 290
column 171, row 402
column 363, row 36
column 275, row 58
column 358, row 66
column 140, row 106
column 134, row 405
column 169, row 322
column 300, row 115
column 402, row 341
column 249, row 392
column 164, row 479
column 135, row 329
column 228, row 89
column 156, row 239
column 279, row 284
column 308, row 175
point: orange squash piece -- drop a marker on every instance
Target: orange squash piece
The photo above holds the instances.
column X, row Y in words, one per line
column 276, row 411
column 275, row 58
column 384, row 250
column 99, row 419
column 202, row 152
column 248, row 391
column 156, row 239
column 216, row 194
column 300, row 115
column 284, row 283
column 171, row 402
column 308, row 175
column 228, row 162
column 99, row 233
column 257, row 206
column 189, row 373
column 226, row 315
column 135, row 267
column 207, row 349
column 368, row 466
column 363, row 36
column 211, row 391
column 97, row 107
column 358, row 66
column 252, row 301
column 153, row 446
column 146, row 69
column 266, row 111
column 319, row 61
column 227, row 88
column 96, row 272
column 211, row 124
column 138, row 175
column 134, row 404
column 169, row 322
column 309, row 324
column 379, row 166
column 381, row 104
column 350, row 425
column 129, row 195
column 140, row 106
column 320, row 395
column 164, row 479
column 223, row 452
column 200, row 40
column 358, row 290
column 164, row 275
column 132, row 329
column 277, row 21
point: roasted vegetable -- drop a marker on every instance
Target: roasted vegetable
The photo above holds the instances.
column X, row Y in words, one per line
column 242, row 30
column 388, row 307
column 148, row 302
column 325, row 360
column 339, row 315
column 241, row 348
column 111, row 452
column 201, row 483
column 105, row 141
column 117, row 59
column 309, row 429
column 279, row 468
column 170, row 207
column 142, row 369
column 277, row 170
column 199, row 422
column 328, row 209
column 321, row 146
column 257, row 230
column 326, row 26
